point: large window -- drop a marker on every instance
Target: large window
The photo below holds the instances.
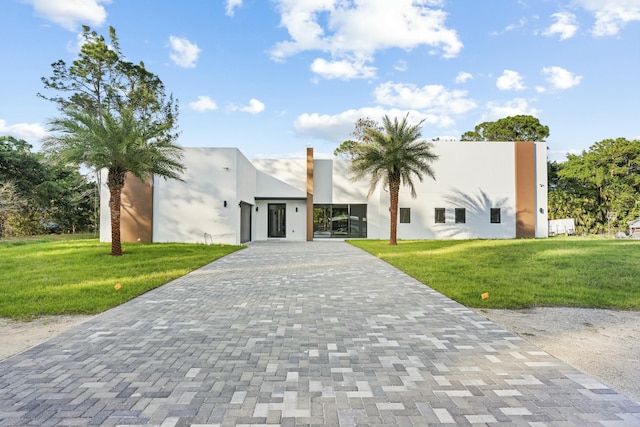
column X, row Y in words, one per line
column 405, row 215
column 461, row 215
column 495, row 215
column 340, row 221
column 440, row 215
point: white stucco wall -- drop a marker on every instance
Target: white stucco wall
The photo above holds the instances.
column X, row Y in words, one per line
column 296, row 222
column 105, row 214
column 542, row 189
column 185, row 211
column 476, row 176
column 281, row 175
column 323, row 181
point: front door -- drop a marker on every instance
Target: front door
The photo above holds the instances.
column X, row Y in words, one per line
column 245, row 222
column 277, row 220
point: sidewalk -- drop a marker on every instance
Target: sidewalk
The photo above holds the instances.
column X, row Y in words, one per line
column 298, row 334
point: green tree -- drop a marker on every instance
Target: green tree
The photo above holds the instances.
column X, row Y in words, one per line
column 349, row 148
column 51, row 193
column 10, row 204
column 605, row 178
column 19, row 165
column 394, row 155
column 115, row 116
column 513, row 128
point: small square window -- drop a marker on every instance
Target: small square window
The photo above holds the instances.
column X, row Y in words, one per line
column 405, row 215
column 440, row 216
column 495, row 215
column 461, row 215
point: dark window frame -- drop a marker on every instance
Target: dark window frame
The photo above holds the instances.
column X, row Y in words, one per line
column 495, row 215
column 460, row 216
column 405, row 216
column 440, row 215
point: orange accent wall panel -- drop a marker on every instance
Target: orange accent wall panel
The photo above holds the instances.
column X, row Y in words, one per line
column 525, row 153
column 136, row 220
column 309, row 194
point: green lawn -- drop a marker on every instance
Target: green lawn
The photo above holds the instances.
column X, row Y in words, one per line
column 55, row 275
column 581, row 272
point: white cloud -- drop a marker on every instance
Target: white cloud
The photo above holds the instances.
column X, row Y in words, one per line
column 515, row 107
column 431, row 98
column 561, row 79
column 357, row 30
column 611, row 15
column 342, row 69
column 401, row 66
column 338, row 127
column 565, row 25
column 232, row 5
column 70, row 14
column 463, row 77
column 30, row 132
column 183, row 52
column 521, row 23
column 254, row 107
column 204, row 103
column 510, row 80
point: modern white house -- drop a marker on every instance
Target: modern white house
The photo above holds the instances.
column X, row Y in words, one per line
column 492, row 190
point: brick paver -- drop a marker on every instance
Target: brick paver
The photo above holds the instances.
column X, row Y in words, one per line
column 298, row 334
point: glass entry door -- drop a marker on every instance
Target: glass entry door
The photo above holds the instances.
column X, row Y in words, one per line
column 339, row 221
column 277, row 220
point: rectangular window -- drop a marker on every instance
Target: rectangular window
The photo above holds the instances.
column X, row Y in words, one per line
column 405, row 215
column 440, row 215
column 495, row 215
column 461, row 215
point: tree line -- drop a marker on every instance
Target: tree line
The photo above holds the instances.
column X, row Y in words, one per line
column 38, row 196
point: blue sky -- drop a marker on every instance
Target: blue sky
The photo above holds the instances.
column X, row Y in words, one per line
column 273, row 77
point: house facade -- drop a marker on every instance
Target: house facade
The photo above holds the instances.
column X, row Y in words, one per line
column 492, row 190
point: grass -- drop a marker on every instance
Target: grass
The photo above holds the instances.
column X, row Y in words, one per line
column 58, row 275
column 580, row 272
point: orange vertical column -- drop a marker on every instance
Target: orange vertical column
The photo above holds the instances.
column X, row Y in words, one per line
column 136, row 215
column 309, row 194
column 525, row 172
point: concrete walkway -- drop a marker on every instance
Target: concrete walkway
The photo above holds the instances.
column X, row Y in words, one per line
column 298, row 334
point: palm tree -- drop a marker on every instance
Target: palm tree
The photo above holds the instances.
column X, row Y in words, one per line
column 121, row 144
column 394, row 155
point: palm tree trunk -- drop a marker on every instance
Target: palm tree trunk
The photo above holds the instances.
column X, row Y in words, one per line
column 394, row 189
column 115, row 182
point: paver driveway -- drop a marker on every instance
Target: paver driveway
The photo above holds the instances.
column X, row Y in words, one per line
column 298, row 334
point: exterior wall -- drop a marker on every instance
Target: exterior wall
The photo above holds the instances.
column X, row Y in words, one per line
column 296, row 221
column 284, row 178
column 525, row 175
column 309, row 203
column 323, row 181
column 344, row 189
column 476, row 176
column 136, row 211
column 542, row 196
column 186, row 210
column 105, row 215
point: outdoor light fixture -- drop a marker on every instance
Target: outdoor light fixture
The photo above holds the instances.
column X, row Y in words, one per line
column 256, row 209
column 225, row 203
column 296, row 209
